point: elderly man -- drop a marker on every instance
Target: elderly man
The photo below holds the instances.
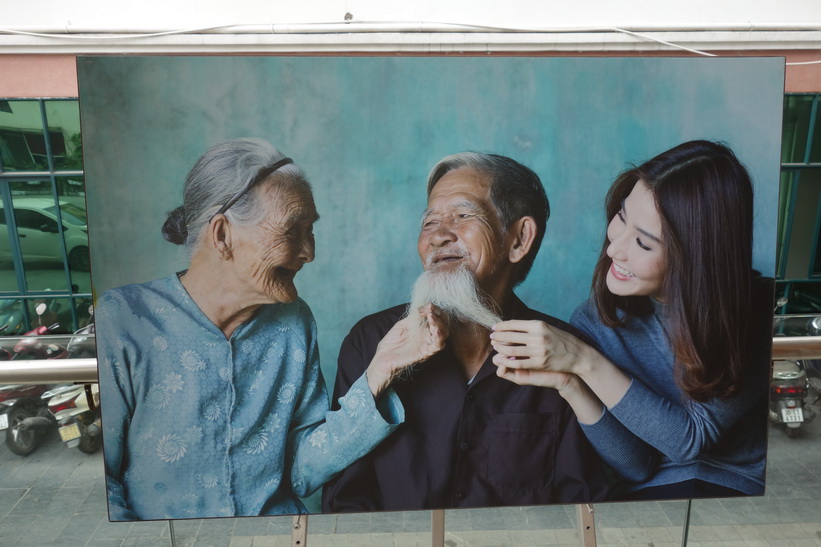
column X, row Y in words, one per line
column 470, row 438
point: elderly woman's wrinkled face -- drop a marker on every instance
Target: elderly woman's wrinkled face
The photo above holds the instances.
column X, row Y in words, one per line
column 269, row 254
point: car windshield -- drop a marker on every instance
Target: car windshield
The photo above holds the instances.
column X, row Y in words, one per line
column 71, row 213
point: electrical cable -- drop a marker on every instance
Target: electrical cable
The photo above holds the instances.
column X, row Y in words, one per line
column 444, row 27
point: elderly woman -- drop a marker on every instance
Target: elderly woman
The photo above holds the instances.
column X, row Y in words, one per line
column 213, row 400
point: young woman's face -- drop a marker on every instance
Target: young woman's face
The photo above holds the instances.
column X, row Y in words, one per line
column 636, row 248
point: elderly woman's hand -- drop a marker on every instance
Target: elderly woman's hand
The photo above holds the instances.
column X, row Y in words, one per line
column 412, row 340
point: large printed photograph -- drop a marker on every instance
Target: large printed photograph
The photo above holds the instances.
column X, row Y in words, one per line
column 350, row 284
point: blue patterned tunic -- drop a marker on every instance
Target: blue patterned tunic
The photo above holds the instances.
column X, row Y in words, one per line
column 196, row 425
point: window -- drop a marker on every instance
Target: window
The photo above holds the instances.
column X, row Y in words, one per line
column 44, row 253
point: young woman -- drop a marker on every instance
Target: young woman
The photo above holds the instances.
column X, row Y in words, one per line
column 673, row 392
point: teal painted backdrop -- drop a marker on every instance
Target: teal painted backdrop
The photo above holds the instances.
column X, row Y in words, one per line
column 368, row 129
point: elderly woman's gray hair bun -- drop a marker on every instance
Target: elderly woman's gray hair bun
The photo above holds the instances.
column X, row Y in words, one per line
column 221, row 172
column 174, row 229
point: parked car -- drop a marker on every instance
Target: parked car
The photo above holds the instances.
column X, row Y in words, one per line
column 39, row 233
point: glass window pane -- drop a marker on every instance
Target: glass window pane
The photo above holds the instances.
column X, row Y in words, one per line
column 22, row 146
column 788, row 179
column 815, row 149
column 803, row 224
column 73, row 212
column 64, row 131
column 54, row 313
column 40, row 235
column 797, row 109
column 85, row 311
column 8, row 280
column 12, row 318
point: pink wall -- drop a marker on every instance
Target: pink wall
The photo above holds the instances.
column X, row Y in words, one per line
column 803, row 78
column 56, row 75
column 30, row 76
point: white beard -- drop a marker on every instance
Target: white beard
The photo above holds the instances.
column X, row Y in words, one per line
column 456, row 293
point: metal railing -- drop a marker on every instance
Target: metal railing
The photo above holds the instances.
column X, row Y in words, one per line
column 53, row 371
column 48, row 371
column 796, row 347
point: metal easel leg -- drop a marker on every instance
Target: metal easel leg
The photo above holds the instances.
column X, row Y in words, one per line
column 299, row 532
column 437, row 528
column 171, row 533
column 587, row 525
column 686, row 531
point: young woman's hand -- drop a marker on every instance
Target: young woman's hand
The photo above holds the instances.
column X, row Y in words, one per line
column 534, row 353
column 561, row 381
column 585, row 404
column 536, row 346
column 411, row 340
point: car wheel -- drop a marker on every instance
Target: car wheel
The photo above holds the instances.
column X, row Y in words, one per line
column 79, row 259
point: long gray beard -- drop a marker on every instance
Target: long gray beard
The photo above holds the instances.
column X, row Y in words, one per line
column 456, row 293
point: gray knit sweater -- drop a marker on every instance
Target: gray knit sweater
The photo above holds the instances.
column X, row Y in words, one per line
column 655, row 435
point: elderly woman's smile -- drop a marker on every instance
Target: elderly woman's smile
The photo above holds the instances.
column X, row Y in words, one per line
column 270, row 254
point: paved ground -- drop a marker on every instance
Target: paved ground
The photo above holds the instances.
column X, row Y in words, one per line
column 55, row 496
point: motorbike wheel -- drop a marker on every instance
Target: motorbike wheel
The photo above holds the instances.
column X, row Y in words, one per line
column 20, row 442
column 89, row 444
column 792, row 432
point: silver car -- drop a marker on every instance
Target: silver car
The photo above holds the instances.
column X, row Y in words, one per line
column 39, row 234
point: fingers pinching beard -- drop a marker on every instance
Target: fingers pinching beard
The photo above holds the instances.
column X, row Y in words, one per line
column 429, row 329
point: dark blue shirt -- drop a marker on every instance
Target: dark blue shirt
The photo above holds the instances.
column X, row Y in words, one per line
column 489, row 442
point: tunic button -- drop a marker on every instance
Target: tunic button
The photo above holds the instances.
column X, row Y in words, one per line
column 459, row 496
column 463, row 446
column 470, row 397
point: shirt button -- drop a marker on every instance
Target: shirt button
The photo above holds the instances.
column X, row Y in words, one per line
column 470, row 397
column 463, row 446
column 459, row 496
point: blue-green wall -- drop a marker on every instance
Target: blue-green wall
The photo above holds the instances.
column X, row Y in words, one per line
column 368, row 129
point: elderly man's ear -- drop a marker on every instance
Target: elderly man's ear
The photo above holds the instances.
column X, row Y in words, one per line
column 220, row 232
column 521, row 236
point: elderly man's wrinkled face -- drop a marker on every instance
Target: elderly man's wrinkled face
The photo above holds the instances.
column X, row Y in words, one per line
column 270, row 253
column 461, row 228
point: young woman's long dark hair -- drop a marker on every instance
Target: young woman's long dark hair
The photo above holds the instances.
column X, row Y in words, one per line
column 704, row 197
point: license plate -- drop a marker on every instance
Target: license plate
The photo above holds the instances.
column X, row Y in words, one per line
column 69, row 432
column 4, row 421
column 792, row 415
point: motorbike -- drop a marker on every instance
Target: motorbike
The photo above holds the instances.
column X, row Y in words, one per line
column 17, row 404
column 790, row 384
column 82, row 343
column 24, row 414
column 76, row 411
column 31, row 346
column 788, row 392
column 74, row 407
column 812, row 367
